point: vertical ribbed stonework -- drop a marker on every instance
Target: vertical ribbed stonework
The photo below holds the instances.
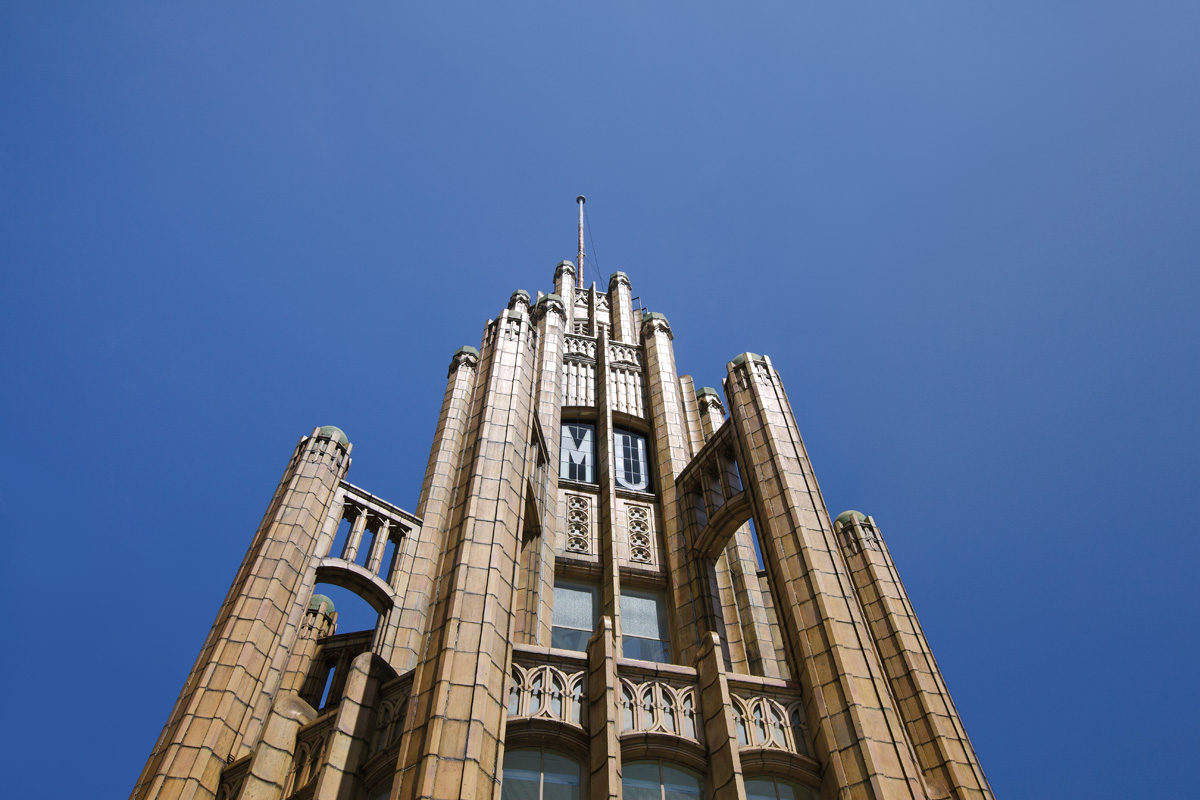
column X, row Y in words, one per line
column 934, row 727
column 672, row 452
column 860, row 737
column 603, row 715
column 451, row 745
column 243, row 660
column 551, row 316
column 422, row 556
column 720, row 730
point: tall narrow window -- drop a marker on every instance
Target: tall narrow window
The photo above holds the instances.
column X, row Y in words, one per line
column 578, row 453
column 644, row 626
column 659, row 780
column 576, row 610
column 629, row 452
column 540, row 774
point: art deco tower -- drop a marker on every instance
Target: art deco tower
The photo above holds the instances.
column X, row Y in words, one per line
column 609, row 588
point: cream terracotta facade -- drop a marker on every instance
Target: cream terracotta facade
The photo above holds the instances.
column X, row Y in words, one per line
column 803, row 672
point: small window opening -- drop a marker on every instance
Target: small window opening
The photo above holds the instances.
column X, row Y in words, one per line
column 758, row 551
column 339, row 539
column 387, row 565
column 328, row 685
column 367, row 544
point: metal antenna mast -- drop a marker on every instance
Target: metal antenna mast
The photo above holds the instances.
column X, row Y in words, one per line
column 579, row 278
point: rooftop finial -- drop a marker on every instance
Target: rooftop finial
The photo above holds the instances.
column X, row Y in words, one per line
column 579, row 277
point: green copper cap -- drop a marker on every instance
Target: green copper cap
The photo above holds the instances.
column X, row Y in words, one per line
column 335, row 433
column 570, row 264
column 649, row 315
column 466, row 348
column 845, row 517
column 315, row 603
column 520, row 293
column 707, row 390
column 742, row 358
column 616, row 275
column 551, row 298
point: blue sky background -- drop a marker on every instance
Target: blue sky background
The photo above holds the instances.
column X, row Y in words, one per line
column 965, row 233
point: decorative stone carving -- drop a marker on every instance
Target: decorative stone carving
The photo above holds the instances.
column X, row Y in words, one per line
column 579, row 533
column 766, row 722
column 464, row 357
column 550, row 304
column 657, row 707
column 653, row 322
column 641, row 549
column 546, row 692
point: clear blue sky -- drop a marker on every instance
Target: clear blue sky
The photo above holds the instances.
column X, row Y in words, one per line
column 966, row 234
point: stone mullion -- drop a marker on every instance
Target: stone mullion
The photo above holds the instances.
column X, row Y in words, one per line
column 610, row 581
column 913, row 672
column 720, row 729
column 354, row 540
column 672, row 452
column 258, row 633
column 859, row 731
column 452, row 744
column 375, row 557
column 603, row 715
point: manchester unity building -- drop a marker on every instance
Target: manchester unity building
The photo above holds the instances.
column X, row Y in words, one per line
column 615, row 584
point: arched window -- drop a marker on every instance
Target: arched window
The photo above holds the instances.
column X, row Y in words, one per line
column 659, row 780
column 766, row 787
column 535, row 773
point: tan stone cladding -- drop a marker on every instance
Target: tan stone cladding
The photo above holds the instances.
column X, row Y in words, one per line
column 668, row 592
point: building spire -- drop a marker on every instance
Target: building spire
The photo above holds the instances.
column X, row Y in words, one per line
column 579, row 276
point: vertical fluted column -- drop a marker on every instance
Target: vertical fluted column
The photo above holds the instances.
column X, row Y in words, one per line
column 417, row 567
column 246, row 653
column 672, row 452
column 620, row 304
column 934, row 727
column 551, row 316
column 860, row 738
column 603, row 714
column 451, row 743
